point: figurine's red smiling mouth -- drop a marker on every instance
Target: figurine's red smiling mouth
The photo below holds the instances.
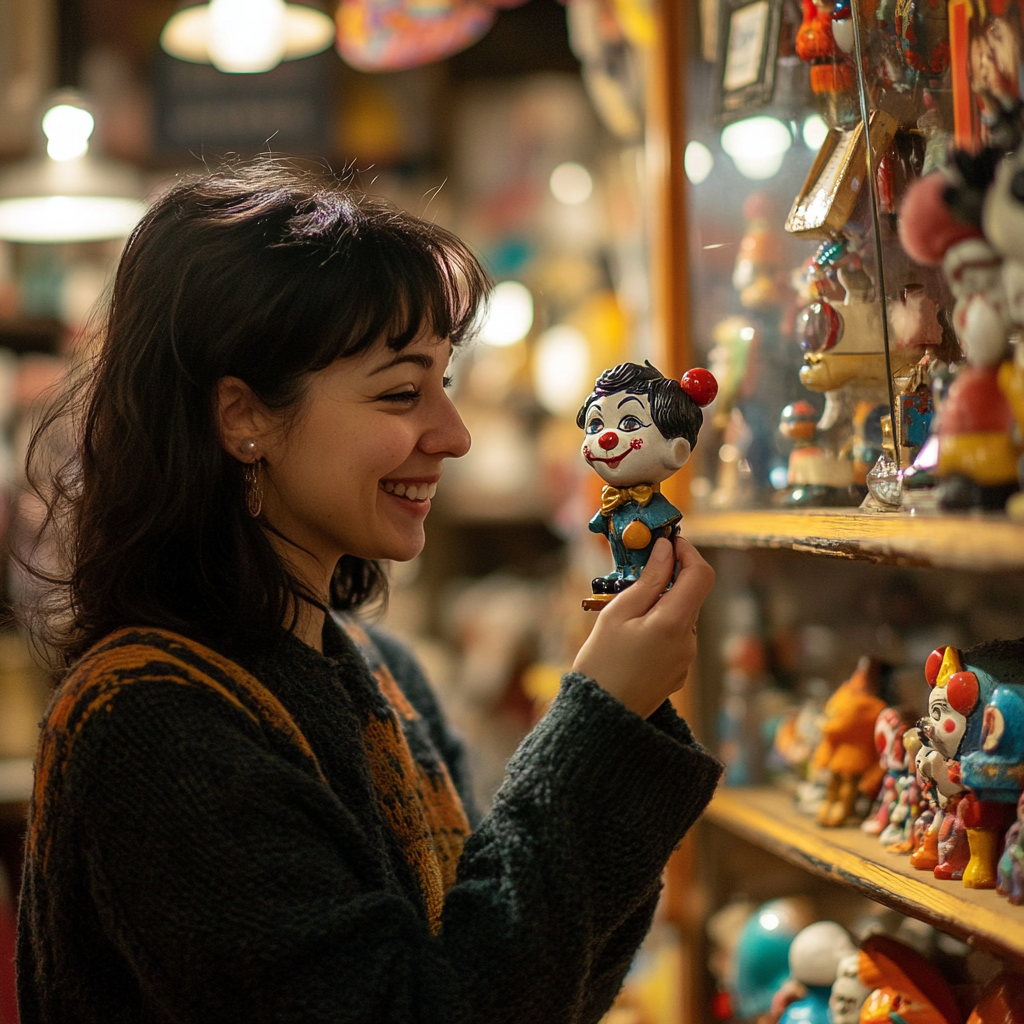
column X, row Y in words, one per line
column 612, row 463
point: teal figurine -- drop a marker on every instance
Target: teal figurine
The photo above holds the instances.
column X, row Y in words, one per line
column 639, row 428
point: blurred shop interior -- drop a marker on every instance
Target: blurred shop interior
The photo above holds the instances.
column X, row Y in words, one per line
column 633, row 174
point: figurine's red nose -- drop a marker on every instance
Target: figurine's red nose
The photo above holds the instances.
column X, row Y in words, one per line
column 608, row 440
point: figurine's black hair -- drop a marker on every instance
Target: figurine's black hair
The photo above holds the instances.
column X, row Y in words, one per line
column 674, row 412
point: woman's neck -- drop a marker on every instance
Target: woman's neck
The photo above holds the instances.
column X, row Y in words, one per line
column 309, row 626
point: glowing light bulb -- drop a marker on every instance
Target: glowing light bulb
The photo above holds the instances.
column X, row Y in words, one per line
column 697, row 162
column 571, row 183
column 67, row 130
column 509, row 315
column 246, row 35
column 757, row 146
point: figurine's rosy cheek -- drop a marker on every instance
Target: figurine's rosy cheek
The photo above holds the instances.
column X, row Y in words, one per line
column 949, row 725
column 636, row 443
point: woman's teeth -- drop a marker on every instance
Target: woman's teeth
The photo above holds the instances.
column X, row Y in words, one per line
column 414, row 492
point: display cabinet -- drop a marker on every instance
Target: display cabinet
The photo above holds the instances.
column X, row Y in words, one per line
column 974, row 555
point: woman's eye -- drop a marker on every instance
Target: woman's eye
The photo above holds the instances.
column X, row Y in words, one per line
column 628, row 423
column 594, row 426
column 401, row 397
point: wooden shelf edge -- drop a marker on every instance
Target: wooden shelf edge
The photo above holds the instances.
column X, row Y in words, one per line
column 982, row 542
column 766, row 818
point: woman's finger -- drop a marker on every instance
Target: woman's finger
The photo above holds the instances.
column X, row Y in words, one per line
column 692, row 585
column 643, row 595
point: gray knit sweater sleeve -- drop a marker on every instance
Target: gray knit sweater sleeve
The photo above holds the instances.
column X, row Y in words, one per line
column 195, row 867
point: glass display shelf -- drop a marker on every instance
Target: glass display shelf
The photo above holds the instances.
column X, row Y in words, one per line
column 979, row 542
column 766, row 817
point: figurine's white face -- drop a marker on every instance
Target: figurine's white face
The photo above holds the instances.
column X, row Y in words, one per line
column 624, row 447
column 945, row 725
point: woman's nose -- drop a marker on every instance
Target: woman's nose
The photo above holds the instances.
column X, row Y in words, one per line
column 608, row 440
column 449, row 437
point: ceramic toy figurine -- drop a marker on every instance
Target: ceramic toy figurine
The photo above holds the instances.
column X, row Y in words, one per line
column 904, row 986
column 977, row 720
column 762, row 954
column 892, row 759
column 1002, row 1001
column 847, row 749
column 848, row 992
column 640, row 427
column 977, row 454
column 1010, row 874
column 814, row 958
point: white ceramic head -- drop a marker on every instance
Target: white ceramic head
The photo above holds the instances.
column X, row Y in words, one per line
column 624, row 447
column 817, row 951
column 848, row 994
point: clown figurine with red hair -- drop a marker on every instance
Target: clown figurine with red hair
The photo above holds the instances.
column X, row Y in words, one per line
column 639, row 427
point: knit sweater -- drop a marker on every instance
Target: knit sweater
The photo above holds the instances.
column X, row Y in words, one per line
column 281, row 841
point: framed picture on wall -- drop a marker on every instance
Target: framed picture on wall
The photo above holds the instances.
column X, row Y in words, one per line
column 747, row 49
column 837, row 177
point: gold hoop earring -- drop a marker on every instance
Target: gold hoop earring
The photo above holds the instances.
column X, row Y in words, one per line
column 253, row 488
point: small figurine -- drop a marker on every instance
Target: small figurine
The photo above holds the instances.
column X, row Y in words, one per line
column 814, row 958
column 847, row 749
column 640, row 428
column 848, row 992
column 762, row 953
column 940, row 224
column 977, row 718
column 1001, row 1002
column 890, row 727
column 905, row 986
column 1010, row 873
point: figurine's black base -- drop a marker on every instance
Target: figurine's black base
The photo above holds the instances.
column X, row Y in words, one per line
column 959, row 493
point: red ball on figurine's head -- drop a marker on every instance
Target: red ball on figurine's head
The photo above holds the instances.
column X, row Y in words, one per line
column 700, row 385
column 927, row 225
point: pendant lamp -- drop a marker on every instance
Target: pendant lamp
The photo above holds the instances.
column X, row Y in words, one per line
column 246, row 36
column 69, row 194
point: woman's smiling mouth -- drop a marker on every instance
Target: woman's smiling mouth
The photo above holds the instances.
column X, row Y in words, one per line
column 410, row 490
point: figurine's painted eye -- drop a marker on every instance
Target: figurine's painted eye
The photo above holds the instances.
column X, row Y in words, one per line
column 629, row 423
column 595, row 425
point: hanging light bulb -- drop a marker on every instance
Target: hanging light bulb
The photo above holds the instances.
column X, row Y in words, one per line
column 246, row 36
column 67, row 130
column 69, row 195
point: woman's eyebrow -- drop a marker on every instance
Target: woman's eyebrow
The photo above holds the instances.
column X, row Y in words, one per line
column 417, row 358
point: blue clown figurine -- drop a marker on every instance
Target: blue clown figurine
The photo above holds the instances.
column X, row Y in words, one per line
column 640, row 427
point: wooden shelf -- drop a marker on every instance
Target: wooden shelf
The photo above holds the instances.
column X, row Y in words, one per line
column 766, row 817
column 979, row 542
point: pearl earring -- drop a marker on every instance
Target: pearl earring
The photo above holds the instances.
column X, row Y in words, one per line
column 248, row 446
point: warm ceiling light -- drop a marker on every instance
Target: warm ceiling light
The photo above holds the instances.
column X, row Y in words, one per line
column 246, row 36
column 69, row 195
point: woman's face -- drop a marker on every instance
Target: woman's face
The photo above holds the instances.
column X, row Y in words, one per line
column 355, row 471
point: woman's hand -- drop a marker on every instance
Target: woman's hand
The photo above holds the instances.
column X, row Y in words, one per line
column 643, row 642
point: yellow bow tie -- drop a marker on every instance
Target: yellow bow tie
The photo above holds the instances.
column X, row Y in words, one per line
column 613, row 497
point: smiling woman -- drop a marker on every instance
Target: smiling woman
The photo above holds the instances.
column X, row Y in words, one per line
column 247, row 808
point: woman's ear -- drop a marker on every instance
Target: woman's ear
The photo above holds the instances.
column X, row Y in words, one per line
column 241, row 419
column 679, row 448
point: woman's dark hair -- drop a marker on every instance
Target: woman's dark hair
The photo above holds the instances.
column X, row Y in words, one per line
column 674, row 412
column 263, row 271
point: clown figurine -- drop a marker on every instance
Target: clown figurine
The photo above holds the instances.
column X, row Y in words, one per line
column 640, row 428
